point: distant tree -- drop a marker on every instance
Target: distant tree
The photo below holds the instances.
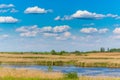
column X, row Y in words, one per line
column 53, row 52
column 76, row 51
column 108, row 50
column 102, row 49
column 115, row 50
column 62, row 52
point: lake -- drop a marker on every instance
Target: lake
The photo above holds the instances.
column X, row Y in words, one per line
column 108, row 72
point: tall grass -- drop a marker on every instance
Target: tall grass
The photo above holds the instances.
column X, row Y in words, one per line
column 111, row 60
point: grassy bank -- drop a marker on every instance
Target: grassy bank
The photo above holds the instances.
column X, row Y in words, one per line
column 111, row 60
column 23, row 74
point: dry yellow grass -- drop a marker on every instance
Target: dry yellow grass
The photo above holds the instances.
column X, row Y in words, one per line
column 109, row 58
column 19, row 73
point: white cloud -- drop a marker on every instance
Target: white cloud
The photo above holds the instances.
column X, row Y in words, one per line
column 63, row 18
column 6, row 5
column 116, row 31
column 47, row 31
column 56, row 29
column 8, row 19
column 28, row 31
column 29, row 34
column 112, row 15
column 94, row 30
column 50, row 34
column 61, row 28
column 88, row 30
column 36, row 10
column 87, row 15
column 13, row 10
column 57, row 18
column 104, row 30
column 67, row 34
column 57, row 32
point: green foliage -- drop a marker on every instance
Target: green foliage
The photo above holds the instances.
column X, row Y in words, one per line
column 50, row 68
column 72, row 75
column 102, row 49
column 53, row 52
column 114, row 50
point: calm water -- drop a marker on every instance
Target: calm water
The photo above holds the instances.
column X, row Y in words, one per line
column 110, row 72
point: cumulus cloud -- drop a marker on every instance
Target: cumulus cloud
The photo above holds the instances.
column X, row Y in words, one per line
column 57, row 18
column 47, row 31
column 104, row 30
column 36, row 10
column 6, row 5
column 86, row 15
column 8, row 19
column 93, row 30
column 88, row 30
column 61, row 28
column 28, row 31
column 65, row 36
column 116, row 30
column 112, row 15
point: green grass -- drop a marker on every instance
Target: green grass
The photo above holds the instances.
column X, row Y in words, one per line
column 13, row 78
column 72, row 75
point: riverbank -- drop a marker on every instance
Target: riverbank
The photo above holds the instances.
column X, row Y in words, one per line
column 24, row 74
column 111, row 60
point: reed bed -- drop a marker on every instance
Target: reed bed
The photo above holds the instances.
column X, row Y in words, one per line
column 111, row 60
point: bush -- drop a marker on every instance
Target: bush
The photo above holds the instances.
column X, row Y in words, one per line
column 72, row 75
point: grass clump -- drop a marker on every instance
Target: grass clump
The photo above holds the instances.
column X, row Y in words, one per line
column 72, row 76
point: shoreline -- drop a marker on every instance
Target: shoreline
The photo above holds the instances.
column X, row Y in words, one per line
column 24, row 74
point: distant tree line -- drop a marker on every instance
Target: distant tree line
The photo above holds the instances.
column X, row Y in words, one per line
column 53, row 52
column 102, row 49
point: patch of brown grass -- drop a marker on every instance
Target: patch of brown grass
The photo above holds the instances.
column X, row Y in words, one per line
column 18, row 73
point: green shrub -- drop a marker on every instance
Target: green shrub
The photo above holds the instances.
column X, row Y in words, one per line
column 71, row 75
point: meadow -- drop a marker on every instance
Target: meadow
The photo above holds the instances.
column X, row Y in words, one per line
column 111, row 60
column 105, row 59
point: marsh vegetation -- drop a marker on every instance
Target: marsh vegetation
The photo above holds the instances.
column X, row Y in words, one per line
column 97, row 59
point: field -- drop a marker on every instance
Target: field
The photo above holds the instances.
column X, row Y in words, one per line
column 82, row 60
column 111, row 60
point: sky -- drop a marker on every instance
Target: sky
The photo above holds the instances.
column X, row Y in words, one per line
column 44, row 25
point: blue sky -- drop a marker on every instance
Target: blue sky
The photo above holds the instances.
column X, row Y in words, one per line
column 43, row 25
